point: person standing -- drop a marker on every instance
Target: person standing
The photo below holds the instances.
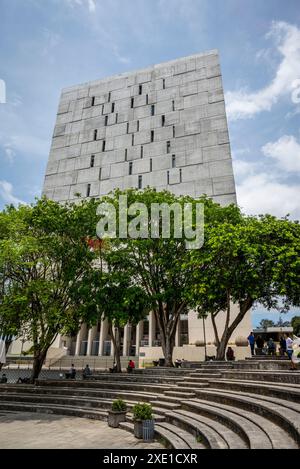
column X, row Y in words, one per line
column 282, row 344
column 251, row 341
column 289, row 350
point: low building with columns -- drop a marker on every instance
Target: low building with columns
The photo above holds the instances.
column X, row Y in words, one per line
column 164, row 126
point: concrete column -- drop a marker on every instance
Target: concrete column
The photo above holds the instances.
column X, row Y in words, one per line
column 91, row 335
column 177, row 334
column 151, row 328
column 112, row 348
column 127, row 330
column 102, row 336
column 78, row 340
column 138, row 336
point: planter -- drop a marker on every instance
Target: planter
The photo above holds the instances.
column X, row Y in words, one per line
column 144, row 429
column 116, row 417
column 148, row 430
column 138, row 429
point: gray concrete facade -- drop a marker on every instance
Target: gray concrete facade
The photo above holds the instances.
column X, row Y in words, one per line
column 164, row 126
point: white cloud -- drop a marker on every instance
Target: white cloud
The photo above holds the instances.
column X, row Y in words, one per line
column 286, row 151
column 242, row 168
column 6, row 194
column 262, row 193
column 90, row 4
column 245, row 104
column 9, row 152
column 121, row 58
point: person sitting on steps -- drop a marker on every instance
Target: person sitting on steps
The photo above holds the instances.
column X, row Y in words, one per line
column 86, row 372
column 71, row 374
column 130, row 366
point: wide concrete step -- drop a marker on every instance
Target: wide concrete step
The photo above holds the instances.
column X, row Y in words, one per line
column 84, row 393
column 283, row 391
column 284, row 415
column 252, row 434
column 166, row 434
column 292, row 377
column 105, row 385
column 192, row 384
column 47, row 408
column 214, row 434
column 204, row 375
column 165, row 404
column 180, row 394
column 176, row 434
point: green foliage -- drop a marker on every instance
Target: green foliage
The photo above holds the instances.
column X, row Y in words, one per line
column 295, row 323
column 142, row 411
column 264, row 323
column 119, row 405
column 44, row 261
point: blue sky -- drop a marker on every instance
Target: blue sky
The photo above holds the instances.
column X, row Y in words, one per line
column 50, row 44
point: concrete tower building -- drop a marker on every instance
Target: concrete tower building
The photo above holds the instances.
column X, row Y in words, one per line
column 165, row 127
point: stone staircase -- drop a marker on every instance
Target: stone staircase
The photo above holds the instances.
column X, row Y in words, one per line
column 217, row 405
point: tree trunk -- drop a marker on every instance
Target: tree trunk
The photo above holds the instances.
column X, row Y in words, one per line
column 228, row 330
column 168, row 346
column 221, row 349
column 38, row 361
column 116, row 341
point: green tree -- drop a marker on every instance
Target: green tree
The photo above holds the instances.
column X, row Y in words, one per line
column 121, row 302
column 252, row 261
column 264, row 323
column 161, row 266
column 295, row 323
column 44, row 261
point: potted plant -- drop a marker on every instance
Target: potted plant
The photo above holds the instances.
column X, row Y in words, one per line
column 143, row 421
column 117, row 413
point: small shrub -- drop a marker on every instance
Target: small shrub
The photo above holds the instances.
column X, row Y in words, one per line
column 119, row 406
column 199, row 343
column 142, row 411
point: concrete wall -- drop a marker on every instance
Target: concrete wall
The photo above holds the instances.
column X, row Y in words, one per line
column 189, row 113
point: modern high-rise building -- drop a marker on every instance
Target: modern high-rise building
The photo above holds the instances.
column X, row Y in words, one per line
column 165, row 127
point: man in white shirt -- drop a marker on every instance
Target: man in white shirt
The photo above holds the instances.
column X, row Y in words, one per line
column 289, row 350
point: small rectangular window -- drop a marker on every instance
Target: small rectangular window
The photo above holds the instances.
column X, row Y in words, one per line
column 105, row 120
column 152, row 109
column 127, row 128
column 173, row 131
column 163, row 120
column 180, row 175
column 152, row 136
column 173, row 105
column 112, row 107
column 140, row 183
column 125, row 154
column 132, row 139
column 173, row 161
column 142, row 151
column 109, row 94
column 103, row 145
column 130, row 168
column 116, row 117
column 100, row 170
column 168, row 177
column 132, row 102
column 88, row 190
column 140, row 89
column 150, row 164
column 147, row 99
column 138, row 126
column 93, row 101
column 168, row 146
column 102, row 112
column 164, row 83
column 92, row 162
column 95, row 134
